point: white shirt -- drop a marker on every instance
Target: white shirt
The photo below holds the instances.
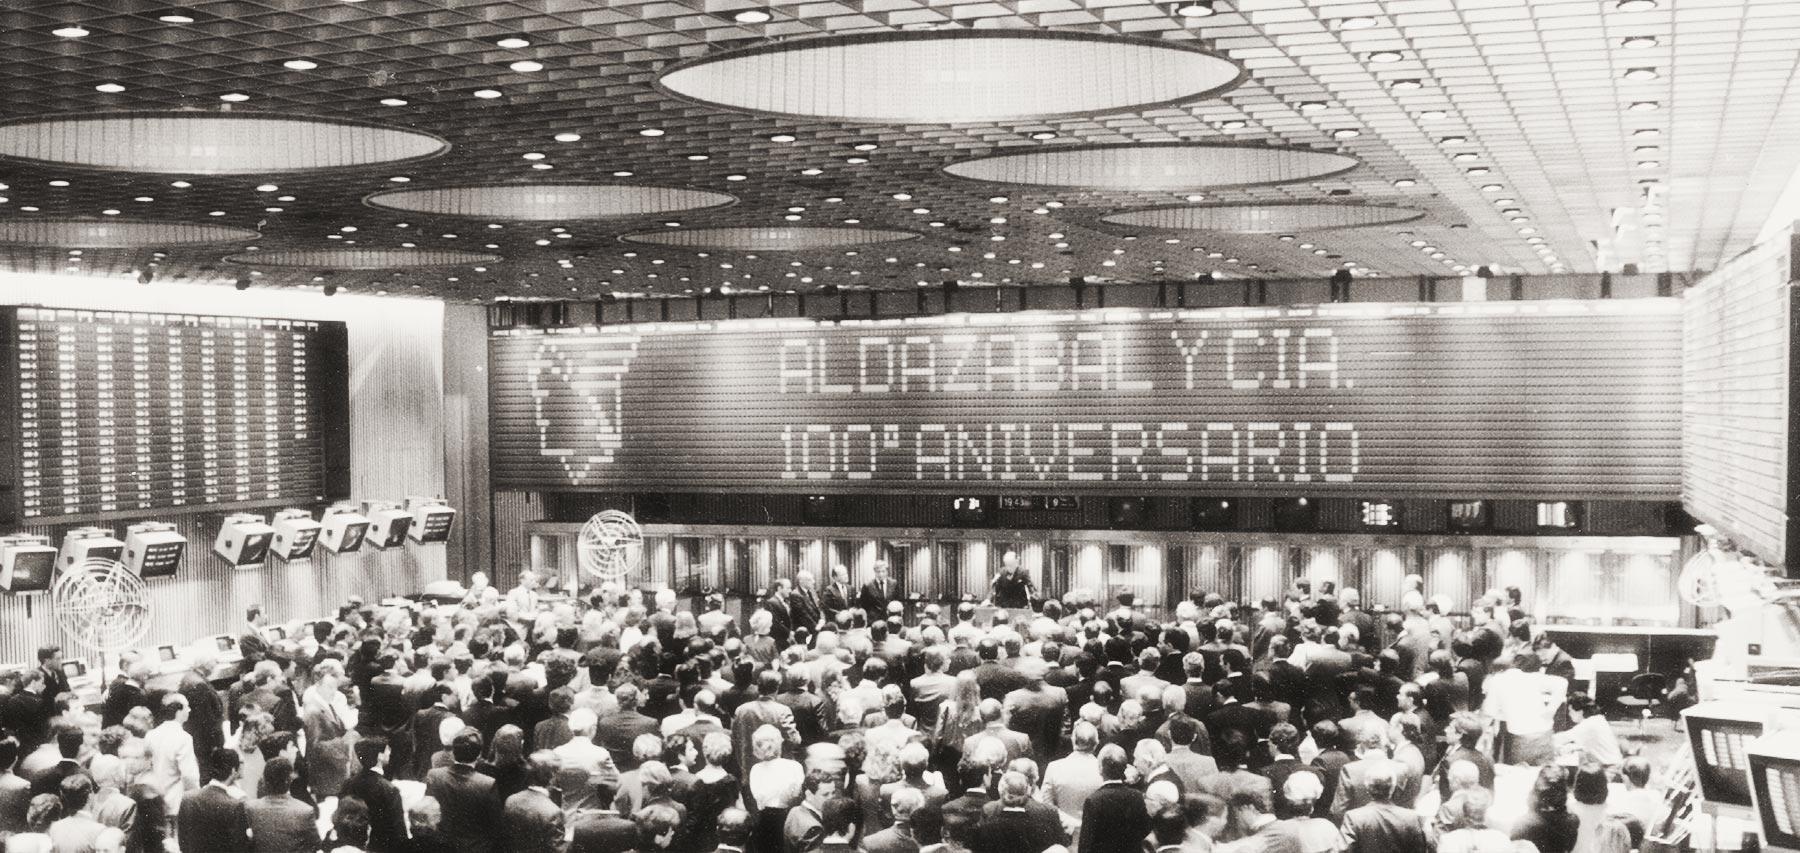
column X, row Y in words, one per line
column 173, row 768
column 777, row 783
column 1594, row 737
column 1525, row 701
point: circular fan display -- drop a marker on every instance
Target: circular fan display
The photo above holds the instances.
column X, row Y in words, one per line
column 203, row 143
column 116, row 233
column 769, row 239
column 1177, row 166
column 1263, row 218
column 954, row 76
column 361, row 259
column 102, row 605
column 611, row 545
column 1699, row 581
column 549, row 202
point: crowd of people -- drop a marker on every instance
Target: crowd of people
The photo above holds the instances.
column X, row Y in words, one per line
column 834, row 718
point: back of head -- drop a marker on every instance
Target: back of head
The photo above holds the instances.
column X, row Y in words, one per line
column 1636, row 770
column 1113, row 762
column 225, row 763
column 1590, row 784
column 1380, row 780
column 466, row 747
column 1168, row 825
column 733, row 826
column 277, row 775
column 74, row 790
column 904, row 801
column 1475, row 805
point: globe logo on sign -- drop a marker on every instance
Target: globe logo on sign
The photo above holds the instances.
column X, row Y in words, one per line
column 578, row 401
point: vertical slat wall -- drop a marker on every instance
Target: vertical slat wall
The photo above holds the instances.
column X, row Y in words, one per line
column 1738, row 433
column 397, row 449
column 465, row 408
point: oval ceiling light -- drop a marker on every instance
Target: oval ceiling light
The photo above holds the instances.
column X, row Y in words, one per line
column 116, row 233
column 361, row 259
column 1156, row 167
column 953, row 76
column 781, row 239
column 753, row 16
column 549, row 202
column 199, row 143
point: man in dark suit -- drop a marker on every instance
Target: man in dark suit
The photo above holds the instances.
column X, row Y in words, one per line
column 384, row 710
column 1380, row 825
column 69, row 740
column 56, row 682
column 803, row 603
column 618, row 730
column 15, row 792
column 804, row 829
column 206, row 711
column 996, row 679
column 425, row 724
column 1037, row 709
column 1200, row 699
column 484, row 714
column 808, row 707
column 278, row 822
column 604, row 831
column 1026, row 825
column 779, row 603
column 877, row 593
column 993, row 717
column 213, row 819
column 903, row 803
column 534, row 822
column 966, row 809
column 1114, row 820
column 471, row 804
column 126, row 691
column 836, row 598
column 387, row 816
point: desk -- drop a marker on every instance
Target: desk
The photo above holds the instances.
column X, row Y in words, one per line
column 1658, row 649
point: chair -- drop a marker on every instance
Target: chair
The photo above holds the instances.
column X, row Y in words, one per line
column 1646, row 693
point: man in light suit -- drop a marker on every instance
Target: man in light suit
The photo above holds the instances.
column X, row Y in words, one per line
column 993, row 718
column 1012, row 828
column 15, row 792
column 174, row 769
column 278, row 822
column 213, row 819
column 1069, row 781
column 471, row 806
column 534, row 822
column 78, row 829
column 1381, row 825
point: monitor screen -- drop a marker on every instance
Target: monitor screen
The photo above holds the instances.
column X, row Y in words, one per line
column 74, row 668
column 32, row 570
column 165, row 654
column 1720, row 760
column 226, row 644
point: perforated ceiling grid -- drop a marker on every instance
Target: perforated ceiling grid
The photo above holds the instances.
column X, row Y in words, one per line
column 1537, row 93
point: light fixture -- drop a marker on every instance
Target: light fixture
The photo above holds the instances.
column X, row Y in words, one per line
column 1433, row 115
column 1453, row 140
column 1644, row 106
column 1638, row 42
column 1406, row 84
column 782, row 137
column 651, row 131
column 753, row 16
column 514, row 42
column 1635, row 5
column 1641, row 74
column 486, row 94
column 234, row 97
column 1491, row 188
column 109, row 88
column 175, row 17
column 1043, row 135
column 1403, row 183
column 526, row 66
column 393, row 102
column 1312, row 106
column 72, row 31
column 867, row 146
column 1195, row 9
column 1346, row 133
column 1357, row 22
column 300, row 65
column 1385, row 56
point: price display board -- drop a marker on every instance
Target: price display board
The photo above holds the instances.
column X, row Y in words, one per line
column 1546, row 400
column 1740, row 440
column 109, row 415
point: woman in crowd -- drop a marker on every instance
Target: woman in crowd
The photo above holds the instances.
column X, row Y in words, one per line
column 774, row 787
column 714, row 789
column 1547, row 823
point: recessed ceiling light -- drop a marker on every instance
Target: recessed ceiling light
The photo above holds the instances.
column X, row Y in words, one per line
column 867, row 146
column 1478, row 171
column 902, row 196
column 1465, row 156
column 1642, row 74
column 1233, row 124
column 1452, row 140
column 59, row 183
column 1491, row 188
column 180, row 185
column 400, row 179
column 1433, row 115
column 393, row 102
column 1385, row 56
column 1406, row 84
column 812, row 172
column 698, row 158
column 70, row 32
column 514, row 42
column 109, row 88
column 1644, row 106
column 176, row 18
column 1195, row 9
column 1649, row 164
column 1312, row 106
column 533, row 155
column 1043, row 135
column 234, row 97
column 1638, row 42
column 753, row 16
column 1346, row 133
column 782, row 137
column 526, row 66
column 487, row 94
column 737, row 177
column 144, row 199
column 300, row 65
column 651, row 131
column 1636, row 5
column 623, row 173
column 267, row 188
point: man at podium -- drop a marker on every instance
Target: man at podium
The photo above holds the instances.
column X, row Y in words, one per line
column 1011, row 588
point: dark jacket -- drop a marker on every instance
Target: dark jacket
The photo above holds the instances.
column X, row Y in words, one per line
column 282, row 824
column 534, row 824
column 1114, row 820
column 206, row 719
column 874, row 601
column 1385, row 828
column 210, row 820
column 387, row 816
column 471, row 807
column 603, row 832
column 121, row 696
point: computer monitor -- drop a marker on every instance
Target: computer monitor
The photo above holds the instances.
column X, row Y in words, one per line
column 225, row 643
column 27, row 563
column 1720, row 733
column 73, row 669
column 166, row 654
column 1775, row 780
